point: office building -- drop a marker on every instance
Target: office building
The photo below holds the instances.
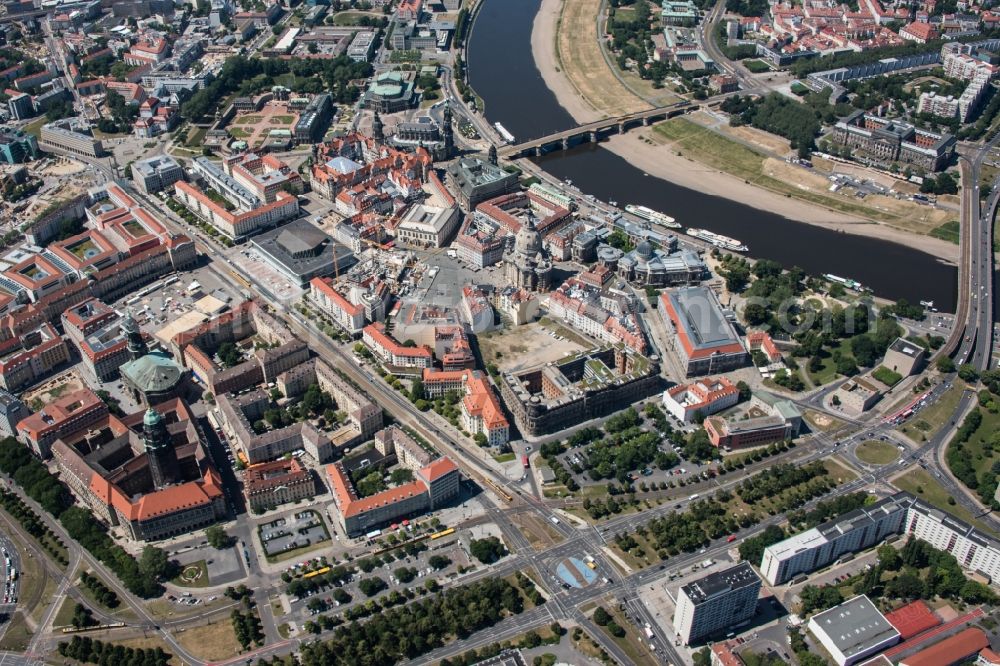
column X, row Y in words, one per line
column 853, row 630
column 568, row 392
column 362, row 46
column 433, row 486
column 237, row 226
column 685, row 402
column 904, row 357
column 703, row 339
column 271, row 484
column 12, row 412
column 393, row 354
column 886, row 142
column 156, row 173
column 428, row 226
column 481, row 411
column 475, row 180
column 716, row 602
column 766, row 419
column 71, row 413
column 147, row 473
column 70, row 136
column 21, row 106
column 17, row 146
column 346, row 314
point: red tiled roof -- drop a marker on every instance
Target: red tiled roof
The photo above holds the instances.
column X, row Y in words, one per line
column 950, row 650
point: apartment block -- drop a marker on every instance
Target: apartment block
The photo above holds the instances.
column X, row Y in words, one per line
column 716, row 602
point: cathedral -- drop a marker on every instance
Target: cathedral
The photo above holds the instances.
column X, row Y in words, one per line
column 529, row 267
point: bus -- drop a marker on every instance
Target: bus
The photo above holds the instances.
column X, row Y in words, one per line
column 524, row 461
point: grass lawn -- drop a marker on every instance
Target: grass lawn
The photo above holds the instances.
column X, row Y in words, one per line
column 196, row 138
column 932, row 417
column 211, row 642
column 839, row 470
column 708, row 147
column 981, row 455
column 875, row 452
column 757, row 66
column 887, row 376
column 17, row 636
column 284, row 630
column 504, row 457
column 350, row 18
column 828, row 372
column 193, row 575
column 947, row 231
column 35, row 128
column 632, row 643
column 923, row 485
column 64, row 617
column 239, row 132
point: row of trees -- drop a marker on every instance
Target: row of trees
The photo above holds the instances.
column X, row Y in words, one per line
column 35, row 526
column 91, row 651
column 409, row 631
column 104, row 595
column 249, row 630
column 142, row 577
column 773, row 481
column 963, row 464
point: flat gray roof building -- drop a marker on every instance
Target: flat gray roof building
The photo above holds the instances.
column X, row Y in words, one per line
column 853, row 630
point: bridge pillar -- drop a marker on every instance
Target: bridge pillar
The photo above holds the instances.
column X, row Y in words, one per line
column 565, row 143
column 538, row 151
column 645, row 121
column 593, row 136
column 621, row 128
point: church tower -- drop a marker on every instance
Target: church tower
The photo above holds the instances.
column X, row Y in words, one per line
column 447, row 133
column 159, row 449
column 136, row 344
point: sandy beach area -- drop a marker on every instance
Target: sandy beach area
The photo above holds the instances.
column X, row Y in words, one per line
column 661, row 162
column 543, row 49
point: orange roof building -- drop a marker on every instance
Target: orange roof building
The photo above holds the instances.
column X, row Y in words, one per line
column 704, row 339
column 952, row 650
column 435, row 483
column 481, row 410
column 112, row 465
column 391, row 352
column 706, row 397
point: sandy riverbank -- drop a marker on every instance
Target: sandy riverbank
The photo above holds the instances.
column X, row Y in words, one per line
column 543, row 49
column 661, row 162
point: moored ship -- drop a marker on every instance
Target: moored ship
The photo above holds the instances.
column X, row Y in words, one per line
column 653, row 216
column 718, row 240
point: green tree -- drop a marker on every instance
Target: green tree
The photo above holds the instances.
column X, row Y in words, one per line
column 217, row 538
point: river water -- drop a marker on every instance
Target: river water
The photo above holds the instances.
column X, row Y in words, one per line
column 502, row 71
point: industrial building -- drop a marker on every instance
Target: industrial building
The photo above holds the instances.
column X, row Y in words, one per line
column 853, row 630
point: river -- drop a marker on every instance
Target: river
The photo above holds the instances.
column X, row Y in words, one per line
column 502, row 71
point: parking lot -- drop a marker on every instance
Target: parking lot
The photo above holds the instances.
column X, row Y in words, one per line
column 301, row 529
column 223, row 566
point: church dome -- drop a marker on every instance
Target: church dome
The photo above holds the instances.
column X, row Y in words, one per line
column 645, row 250
column 527, row 243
